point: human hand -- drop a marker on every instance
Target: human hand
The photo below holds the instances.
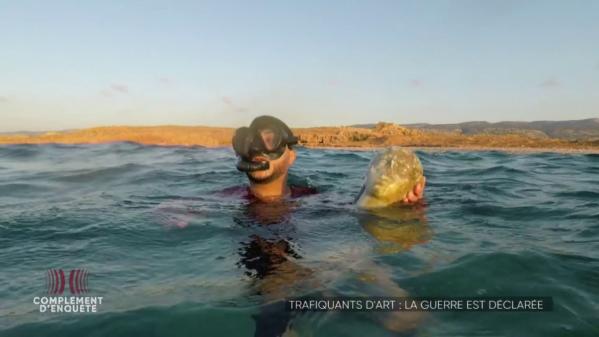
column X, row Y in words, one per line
column 416, row 194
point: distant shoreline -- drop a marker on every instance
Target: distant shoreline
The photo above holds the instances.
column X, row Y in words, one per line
column 348, row 138
column 469, row 149
column 522, row 150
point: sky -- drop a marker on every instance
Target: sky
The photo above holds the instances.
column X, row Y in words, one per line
column 76, row 64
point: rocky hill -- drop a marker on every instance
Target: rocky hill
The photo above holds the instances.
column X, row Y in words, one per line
column 477, row 136
column 584, row 129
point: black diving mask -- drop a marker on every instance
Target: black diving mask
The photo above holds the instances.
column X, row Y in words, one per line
column 256, row 147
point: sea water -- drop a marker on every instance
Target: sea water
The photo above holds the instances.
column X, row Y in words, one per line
column 174, row 248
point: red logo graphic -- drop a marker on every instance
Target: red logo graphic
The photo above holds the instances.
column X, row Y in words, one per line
column 55, row 281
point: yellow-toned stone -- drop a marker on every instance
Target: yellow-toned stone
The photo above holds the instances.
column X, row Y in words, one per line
column 392, row 174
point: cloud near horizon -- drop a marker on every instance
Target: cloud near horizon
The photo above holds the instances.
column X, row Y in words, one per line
column 115, row 88
column 415, row 82
column 228, row 101
column 549, row 83
column 122, row 88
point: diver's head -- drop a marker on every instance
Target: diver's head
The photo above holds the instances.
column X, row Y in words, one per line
column 264, row 149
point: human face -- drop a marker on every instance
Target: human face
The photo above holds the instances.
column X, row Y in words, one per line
column 277, row 167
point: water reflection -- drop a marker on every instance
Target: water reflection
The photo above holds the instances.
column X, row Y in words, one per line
column 271, row 260
column 398, row 228
column 272, row 263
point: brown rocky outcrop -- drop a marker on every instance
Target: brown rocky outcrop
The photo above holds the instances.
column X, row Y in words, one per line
column 381, row 134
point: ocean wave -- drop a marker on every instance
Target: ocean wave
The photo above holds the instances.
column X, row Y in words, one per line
column 159, row 228
column 99, row 175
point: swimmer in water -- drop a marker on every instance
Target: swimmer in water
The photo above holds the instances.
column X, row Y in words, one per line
column 265, row 151
column 265, row 154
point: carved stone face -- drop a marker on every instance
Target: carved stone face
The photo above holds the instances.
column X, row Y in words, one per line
column 392, row 174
